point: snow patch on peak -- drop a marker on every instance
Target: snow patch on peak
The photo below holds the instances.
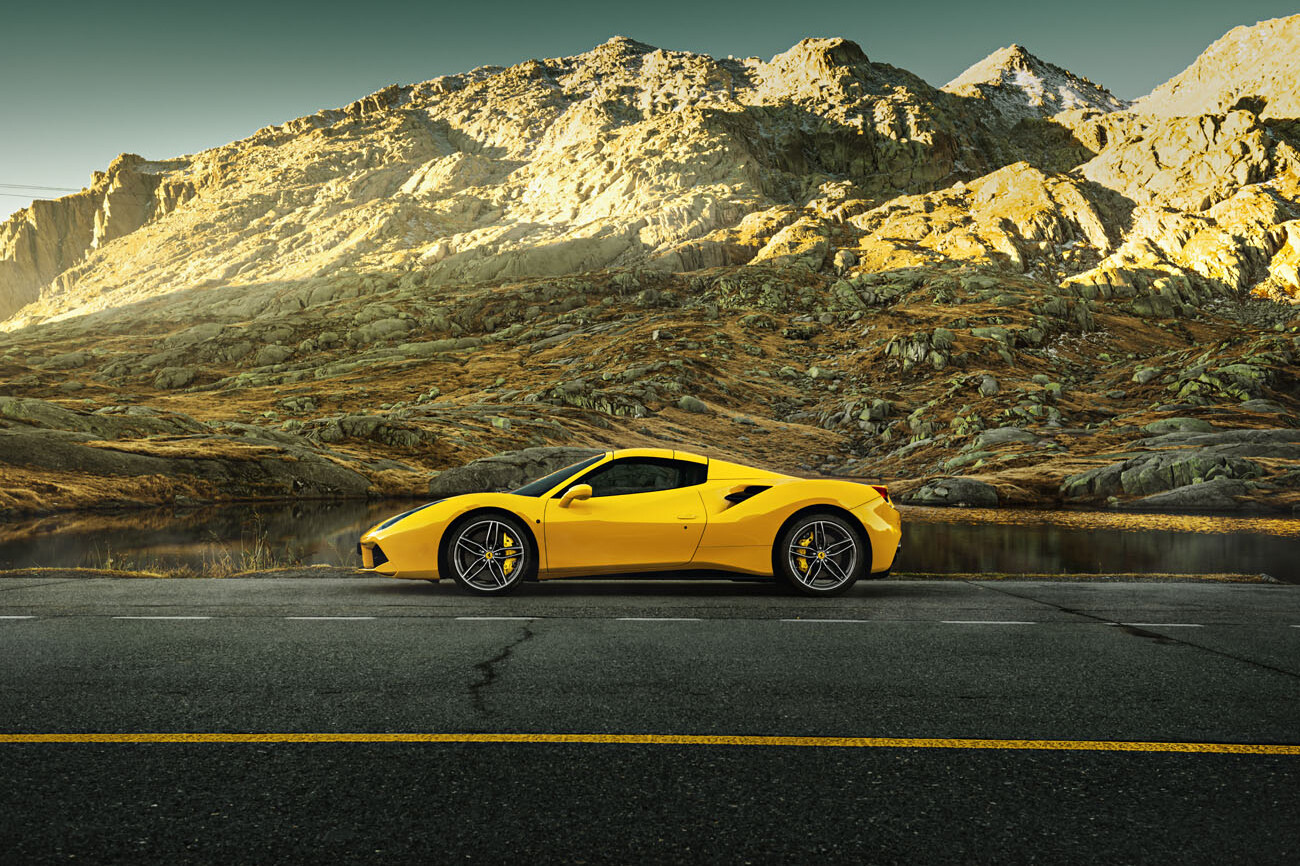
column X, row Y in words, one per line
column 1019, row 85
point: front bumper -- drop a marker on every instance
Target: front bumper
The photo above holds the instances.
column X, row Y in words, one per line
column 373, row 557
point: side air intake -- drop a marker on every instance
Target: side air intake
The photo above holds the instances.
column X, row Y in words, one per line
column 741, row 495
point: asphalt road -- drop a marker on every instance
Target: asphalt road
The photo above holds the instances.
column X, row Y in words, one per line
column 1013, row 662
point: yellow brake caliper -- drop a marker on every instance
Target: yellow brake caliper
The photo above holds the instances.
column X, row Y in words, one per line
column 801, row 561
column 509, row 565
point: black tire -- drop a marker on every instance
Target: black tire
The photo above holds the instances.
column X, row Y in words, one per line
column 821, row 554
column 488, row 554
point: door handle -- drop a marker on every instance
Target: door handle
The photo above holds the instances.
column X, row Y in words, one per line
column 687, row 516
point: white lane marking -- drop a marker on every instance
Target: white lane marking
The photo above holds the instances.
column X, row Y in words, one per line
column 987, row 622
column 162, row 617
column 333, row 618
column 826, row 620
column 1162, row 624
column 496, row 618
column 10, row 616
column 659, row 619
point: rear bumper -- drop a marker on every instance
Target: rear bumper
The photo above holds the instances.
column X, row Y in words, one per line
column 884, row 526
column 877, row 575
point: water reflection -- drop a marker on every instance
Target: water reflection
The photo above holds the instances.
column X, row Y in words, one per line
column 204, row 540
column 948, row 540
column 937, row 540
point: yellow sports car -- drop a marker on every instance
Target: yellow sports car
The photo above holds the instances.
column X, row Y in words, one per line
column 646, row 509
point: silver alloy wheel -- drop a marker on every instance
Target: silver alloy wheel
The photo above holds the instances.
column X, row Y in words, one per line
column 822, row 555
column 488, row 555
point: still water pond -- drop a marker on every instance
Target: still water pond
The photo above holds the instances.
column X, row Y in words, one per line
column 935, row 540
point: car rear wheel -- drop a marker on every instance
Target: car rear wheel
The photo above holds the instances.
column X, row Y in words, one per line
column 489, row 554
column 820, row 554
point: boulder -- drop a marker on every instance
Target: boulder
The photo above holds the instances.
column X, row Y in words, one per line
column 506, row 471
column 1150, row 473
column 1261, row 405
column 954, row 491
column 692, row 404
column 39, row 413
column 171, row 378
column 68, row 361
column 1179, row 425
column 374, row 428
column 1219, row 494
column 268, row 355
column 1001, row 436
column 1236, row 442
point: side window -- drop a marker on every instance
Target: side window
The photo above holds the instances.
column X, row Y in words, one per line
column 643, row 475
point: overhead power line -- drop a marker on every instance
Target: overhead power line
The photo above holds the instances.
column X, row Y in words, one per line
column 50, row 188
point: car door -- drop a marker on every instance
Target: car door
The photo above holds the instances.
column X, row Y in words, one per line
column 644, row 513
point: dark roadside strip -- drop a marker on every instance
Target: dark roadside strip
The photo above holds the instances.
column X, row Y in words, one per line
column 808, row 620
column 308, row 573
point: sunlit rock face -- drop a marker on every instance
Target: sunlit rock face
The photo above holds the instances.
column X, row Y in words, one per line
column 1254, row 68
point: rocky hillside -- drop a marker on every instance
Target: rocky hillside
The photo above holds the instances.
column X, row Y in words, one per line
column 624, row 156
column 1012, row 290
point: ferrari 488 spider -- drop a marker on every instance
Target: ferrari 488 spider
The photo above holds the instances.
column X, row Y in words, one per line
column 644, row 510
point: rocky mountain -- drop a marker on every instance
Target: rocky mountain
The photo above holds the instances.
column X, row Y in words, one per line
column 1019, row 86
column 1253, row 68
column 818, row 262
column 625, row 155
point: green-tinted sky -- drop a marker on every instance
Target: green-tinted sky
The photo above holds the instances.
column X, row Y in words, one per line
column 82, row 81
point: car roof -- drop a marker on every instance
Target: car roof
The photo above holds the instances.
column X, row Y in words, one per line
column 661, row 453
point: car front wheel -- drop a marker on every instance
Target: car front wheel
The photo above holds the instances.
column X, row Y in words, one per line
column 820, row 554
column 489, row 554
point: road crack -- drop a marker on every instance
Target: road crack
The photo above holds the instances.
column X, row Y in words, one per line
column 1139, row 632
column 488, row 670
column 33, row 585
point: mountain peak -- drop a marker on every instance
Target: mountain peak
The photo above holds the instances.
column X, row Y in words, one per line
column 627, row 44
column 1020, row 85
column 1016, row 54
column 820, row 55
column 1252, row 67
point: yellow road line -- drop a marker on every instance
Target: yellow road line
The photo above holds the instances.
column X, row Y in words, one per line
column 670, row 740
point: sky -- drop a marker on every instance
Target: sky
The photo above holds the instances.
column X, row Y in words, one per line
column 81, row 82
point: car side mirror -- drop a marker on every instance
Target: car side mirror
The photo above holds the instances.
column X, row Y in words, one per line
column 577, row 491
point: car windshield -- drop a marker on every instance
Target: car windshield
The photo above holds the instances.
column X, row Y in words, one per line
column 541, row 485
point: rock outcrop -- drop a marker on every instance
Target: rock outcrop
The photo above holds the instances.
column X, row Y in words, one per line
column 51, row 457
column 44, row 247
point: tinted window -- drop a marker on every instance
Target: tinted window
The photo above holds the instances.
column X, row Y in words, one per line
column 642, row 475
column 541, row 485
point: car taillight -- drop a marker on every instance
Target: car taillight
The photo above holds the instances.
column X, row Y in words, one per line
column 882, row 490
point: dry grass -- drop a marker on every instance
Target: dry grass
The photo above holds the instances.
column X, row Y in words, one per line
column 220, row 558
